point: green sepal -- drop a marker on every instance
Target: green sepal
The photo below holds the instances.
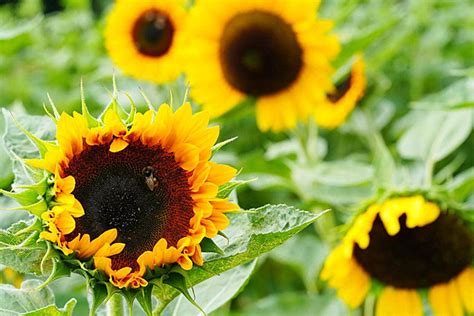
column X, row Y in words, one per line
column 24, row 198
column 226, row 189
column 208, row 245
column 36, row 226
column 220, row 233
column 147, row 101
column 36, row 209
column 97, row 294
column 178, row 280
column 59, row 270
column 144, row 298
column 133, row 110
column 218, row 146
column 111, row 290
column 40, row 187
column 114, row 105
column 129, row 295
column 55, row 115
column 91, row 121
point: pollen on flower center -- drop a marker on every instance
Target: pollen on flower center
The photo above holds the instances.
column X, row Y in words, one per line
column 153, row 33
column 259, row 53
column 113, row 189
column 418, row 257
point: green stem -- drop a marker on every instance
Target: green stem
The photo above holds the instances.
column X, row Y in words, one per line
column 369, row 305
column 115, row 306
column 312, row 144
column 429, row 173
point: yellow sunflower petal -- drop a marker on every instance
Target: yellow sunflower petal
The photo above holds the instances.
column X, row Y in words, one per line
column 399, row 302
column 465, row 285
column 444, row 300
column 220, row 174
column 118, row 144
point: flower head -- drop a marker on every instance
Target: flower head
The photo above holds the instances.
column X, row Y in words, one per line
column 134, row 195
column 407, row 244
column 142, row 38
column 274, row 51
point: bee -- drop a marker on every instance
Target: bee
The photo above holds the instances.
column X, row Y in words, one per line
column 150, row 179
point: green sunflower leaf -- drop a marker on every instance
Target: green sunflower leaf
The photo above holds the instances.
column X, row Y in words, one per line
column 250, row 234
column 18, row 145
column 20, row 248
column 31, row 301
column 214, row 292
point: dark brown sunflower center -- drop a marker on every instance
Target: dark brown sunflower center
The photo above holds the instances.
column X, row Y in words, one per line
column 259, row 53
column 418, row 257
column 153, row 33
column 340, row 90
column 140, row 191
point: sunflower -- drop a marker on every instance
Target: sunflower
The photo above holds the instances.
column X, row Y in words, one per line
column 274, row 51
column 142, row 38
column 134, row 196
column 341, row 101
column 408, row 245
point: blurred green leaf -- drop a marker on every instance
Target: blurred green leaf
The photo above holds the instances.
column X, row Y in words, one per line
column 306, row 253
column 342, row 173
column 31, row 301
column 458, row 95
column 301, row 304
column 336, row 183
column 293, row 147
column 436, row 135
column 8, row 32
column 462, row 185
column 359, row 42
column 267, row 181
column 212, row 293
column 6, row 173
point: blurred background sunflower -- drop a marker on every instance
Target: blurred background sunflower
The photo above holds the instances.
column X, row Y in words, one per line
column 142, row 38
column 406, row 245
column 276, row 52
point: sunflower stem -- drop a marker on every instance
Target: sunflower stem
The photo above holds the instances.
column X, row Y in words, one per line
column 115, row 306
column 369, row 305
column 308, row 139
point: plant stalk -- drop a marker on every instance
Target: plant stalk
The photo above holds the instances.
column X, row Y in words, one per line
column 115, row 306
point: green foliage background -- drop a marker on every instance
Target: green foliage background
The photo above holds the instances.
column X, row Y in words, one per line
column 411, row 132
